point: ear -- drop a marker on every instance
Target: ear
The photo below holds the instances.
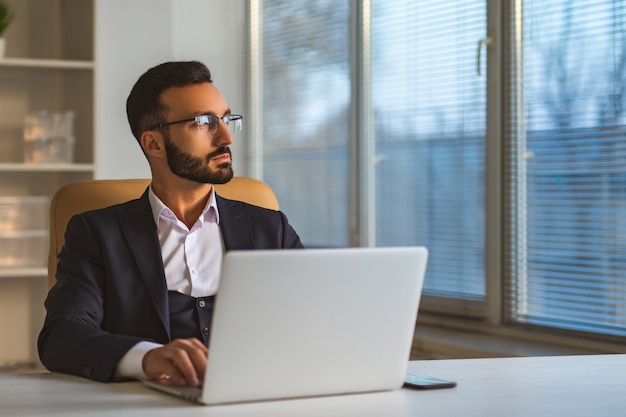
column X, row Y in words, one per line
column 152, row 143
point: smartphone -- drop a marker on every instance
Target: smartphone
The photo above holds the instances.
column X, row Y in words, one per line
column 417, row 381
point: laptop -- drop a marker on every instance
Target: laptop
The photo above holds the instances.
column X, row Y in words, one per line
column 314, row 322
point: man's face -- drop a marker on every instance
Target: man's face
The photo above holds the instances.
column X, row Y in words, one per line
column 193, row 154
column 196, row 168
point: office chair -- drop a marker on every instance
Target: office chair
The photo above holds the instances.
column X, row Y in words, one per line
column 82, row 196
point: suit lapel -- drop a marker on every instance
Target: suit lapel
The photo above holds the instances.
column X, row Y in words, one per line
column 140, row 231
column 234, row 224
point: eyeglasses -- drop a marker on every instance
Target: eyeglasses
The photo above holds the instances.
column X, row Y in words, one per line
column 208, row 123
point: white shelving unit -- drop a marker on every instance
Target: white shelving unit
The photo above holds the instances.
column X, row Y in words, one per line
column 59, row 54
column 46, row 63
column 49, row 64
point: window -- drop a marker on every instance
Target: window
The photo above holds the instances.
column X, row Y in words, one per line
column 568, row 167
column 428, row 108
column 304, row 106
column 382, row 122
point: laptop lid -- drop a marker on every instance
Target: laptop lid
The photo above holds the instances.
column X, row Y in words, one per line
column 297, row 323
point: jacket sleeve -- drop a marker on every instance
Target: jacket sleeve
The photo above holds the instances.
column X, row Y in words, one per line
column 290, row 239
column 72, row 339
column 245, row 226
column 270, row 229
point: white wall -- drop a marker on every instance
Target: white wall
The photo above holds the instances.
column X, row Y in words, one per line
column 134, row 35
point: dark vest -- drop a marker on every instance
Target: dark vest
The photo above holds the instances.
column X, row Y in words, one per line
column 190, row 316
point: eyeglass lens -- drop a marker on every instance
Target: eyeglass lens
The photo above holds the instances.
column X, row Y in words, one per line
column 210, row 123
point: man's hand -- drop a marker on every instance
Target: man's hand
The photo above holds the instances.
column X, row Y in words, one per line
column 182, row 361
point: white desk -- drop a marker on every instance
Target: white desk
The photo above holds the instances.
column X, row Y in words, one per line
column 589, row 386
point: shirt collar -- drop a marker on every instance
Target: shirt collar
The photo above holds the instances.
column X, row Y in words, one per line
column 159, row 208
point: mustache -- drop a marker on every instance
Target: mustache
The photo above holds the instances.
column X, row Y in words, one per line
column 219, row 151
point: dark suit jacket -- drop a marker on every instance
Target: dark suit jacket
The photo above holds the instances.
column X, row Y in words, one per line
column 111, row 291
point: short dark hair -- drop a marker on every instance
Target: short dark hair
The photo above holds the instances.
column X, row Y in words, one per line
column 143, row 105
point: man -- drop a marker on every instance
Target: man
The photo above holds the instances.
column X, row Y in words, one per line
column 136, row 281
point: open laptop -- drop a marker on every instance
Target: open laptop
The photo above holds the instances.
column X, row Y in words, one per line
column 299, row 323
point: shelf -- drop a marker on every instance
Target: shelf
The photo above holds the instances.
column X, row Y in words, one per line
column 50, row 65
column 46, row 63
column 21, row 167
column 23, row 272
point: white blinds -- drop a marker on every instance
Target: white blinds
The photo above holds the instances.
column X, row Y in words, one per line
column 304, row 112
column 430, row 120
column 428, row 106
column 569, row 177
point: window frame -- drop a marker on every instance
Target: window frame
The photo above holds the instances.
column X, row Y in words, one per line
column 504, row 28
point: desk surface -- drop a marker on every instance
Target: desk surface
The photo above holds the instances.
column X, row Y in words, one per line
column 538, row 386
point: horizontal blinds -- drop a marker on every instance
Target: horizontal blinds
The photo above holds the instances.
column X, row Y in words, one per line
column 569, row 211
column 304, row 91
column 429, row 121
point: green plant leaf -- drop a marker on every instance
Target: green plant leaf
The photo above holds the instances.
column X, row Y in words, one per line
column 6, row 16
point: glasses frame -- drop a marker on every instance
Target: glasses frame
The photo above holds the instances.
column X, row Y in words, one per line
column 205, row 119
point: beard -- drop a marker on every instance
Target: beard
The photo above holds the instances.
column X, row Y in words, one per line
column 196, row 169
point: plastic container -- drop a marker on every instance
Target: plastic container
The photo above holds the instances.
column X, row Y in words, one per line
column 24, row 231
column 49, row 137
column 23, row 248
column 24, row 213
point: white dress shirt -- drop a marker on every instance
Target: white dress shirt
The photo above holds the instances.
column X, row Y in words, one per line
column 192, row 259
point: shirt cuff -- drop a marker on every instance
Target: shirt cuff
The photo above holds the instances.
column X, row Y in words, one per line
column 130, row 366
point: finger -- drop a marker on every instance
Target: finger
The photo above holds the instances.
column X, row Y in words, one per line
column 173, row 362
column 183, row 366
column 175, row 378
column 196, row 353
column 182, row 361
column 156, row 365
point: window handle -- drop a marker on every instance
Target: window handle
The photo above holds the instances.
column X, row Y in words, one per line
column 488, row 42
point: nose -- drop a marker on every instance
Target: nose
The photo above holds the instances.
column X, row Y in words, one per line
column 222, row 136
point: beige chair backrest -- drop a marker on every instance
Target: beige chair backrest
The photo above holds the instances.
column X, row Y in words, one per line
column 82, row 196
